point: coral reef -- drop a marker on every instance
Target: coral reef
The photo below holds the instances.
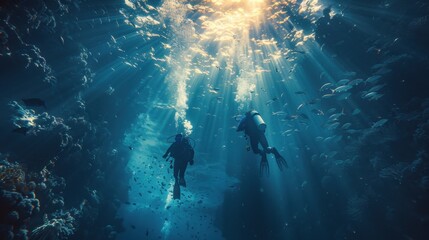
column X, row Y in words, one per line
column 60, row 226
column 17, row 200
column 11, row 175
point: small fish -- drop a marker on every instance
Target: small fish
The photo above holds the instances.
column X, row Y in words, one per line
column 346, row 125
column 328, row 139
column 379, row 123
column 333, row 125
column 287, row 132
column 335, row 116
column 279, row 113
column 372, row 49
column 113, row 39
column 271, row 101
column 353, row 131
column 133, row 227
column 328, row 95
column 331, row 110
column 355, row 82
column 373, row 79
column 84, row 202
column 369, row 95
column 34, row 102
column 299, row 92
column 356, row 111
column 376, row 97
column 300, row 106
column 291, row 117
column 343, row 82
column 376, row 88
column 325, row 86
column 343, row 88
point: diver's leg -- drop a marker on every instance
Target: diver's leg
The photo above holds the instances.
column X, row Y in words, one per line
column 254, row 144
column 176, row 170
column 263, row 141
column 183, row 165
column 267, row 148
column 183, row 169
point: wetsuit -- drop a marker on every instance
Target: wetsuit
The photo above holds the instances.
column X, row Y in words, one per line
column 182, row 153
column 256, row 136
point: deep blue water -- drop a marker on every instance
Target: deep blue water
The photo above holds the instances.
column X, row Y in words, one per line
column 91, row 93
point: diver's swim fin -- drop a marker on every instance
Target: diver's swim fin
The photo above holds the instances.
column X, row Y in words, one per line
column 281, row 162
column 176, row 191
column 264, row 168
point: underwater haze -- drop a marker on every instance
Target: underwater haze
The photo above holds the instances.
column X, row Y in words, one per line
column 93, row 92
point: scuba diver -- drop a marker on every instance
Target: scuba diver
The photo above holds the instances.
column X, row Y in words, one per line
column 182, row 152
column 254, row 127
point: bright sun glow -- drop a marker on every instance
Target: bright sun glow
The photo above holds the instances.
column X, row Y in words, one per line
column 236, row 2
column 239, row 37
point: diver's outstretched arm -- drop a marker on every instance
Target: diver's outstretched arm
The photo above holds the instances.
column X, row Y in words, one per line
column 168, row 151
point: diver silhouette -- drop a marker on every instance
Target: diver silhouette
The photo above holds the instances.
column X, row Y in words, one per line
column 182, row 152
column 254, row 127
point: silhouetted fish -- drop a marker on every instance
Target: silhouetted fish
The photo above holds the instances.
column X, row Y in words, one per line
column 21, row 130
column 34, row 102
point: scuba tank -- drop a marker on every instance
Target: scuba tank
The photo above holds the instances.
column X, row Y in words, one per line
column 257, row 119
